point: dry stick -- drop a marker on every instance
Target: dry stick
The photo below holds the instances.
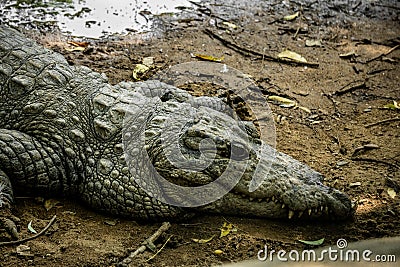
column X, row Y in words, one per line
column 16, row 242
column 358, row 85
column 152, row 257
column 393, row 165
column 246, row 51
column 384, row 54
column 163, row 228
column 382, row 121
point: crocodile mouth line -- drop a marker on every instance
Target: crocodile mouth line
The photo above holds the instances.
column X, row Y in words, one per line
column 313, row 212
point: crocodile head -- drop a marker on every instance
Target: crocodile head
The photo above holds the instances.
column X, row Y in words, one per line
column 211, row 144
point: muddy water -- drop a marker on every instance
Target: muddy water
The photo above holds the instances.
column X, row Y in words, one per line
column 89, row 18
column 95, row 18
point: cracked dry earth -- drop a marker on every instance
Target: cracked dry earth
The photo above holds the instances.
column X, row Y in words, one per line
column 345, row 137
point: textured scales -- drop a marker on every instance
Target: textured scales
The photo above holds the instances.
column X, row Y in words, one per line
column 60, row 133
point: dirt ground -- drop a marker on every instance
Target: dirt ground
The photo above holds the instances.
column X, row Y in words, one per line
column 349, row 136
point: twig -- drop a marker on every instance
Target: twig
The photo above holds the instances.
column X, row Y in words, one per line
column 16, row 242
column 384, row 54
column 382, row 121
column 163, row 228
column 377, row 161
column 152, row 257
column 246, row 51
column 329, row 96
column 357, row 85
column 372, row 72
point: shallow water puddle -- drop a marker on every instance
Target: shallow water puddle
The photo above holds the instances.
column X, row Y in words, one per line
column 90, row 18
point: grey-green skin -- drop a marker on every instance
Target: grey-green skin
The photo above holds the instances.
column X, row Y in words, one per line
column 60, row 134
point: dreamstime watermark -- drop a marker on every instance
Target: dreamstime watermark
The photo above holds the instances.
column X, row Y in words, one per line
column 340, row 253
column 165, row 120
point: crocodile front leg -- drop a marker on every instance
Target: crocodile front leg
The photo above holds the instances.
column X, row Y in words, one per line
column 6, row 201
column 26, row 164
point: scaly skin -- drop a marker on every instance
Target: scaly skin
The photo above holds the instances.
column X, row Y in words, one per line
column 61, row 133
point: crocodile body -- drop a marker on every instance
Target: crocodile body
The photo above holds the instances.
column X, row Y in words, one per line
column 61, row 134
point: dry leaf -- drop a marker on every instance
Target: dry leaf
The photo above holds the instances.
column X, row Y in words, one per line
column 208, row 58
column 80, row 44
column 395, row 105
column 148, row 61
column 305, row 109
column 230, row 25
column 75, row 48
column 391, row 192
column 348, row 54
column 30, row 228
column 51, row 203
column 291, row 17
column 282, row 100
column 139, row 70
column 291, row 56
column 313, row 43
column 218, row 252
column 226, row 229
column 355, row 184
column 202, row 241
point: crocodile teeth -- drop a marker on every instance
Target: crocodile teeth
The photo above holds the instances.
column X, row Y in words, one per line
column 283, row 206
column 300, row 214
column 273, row 198
column 260, row 199
column 309, row 211
column 252, row 198
column 326, row 209
column 291, row 214
column 322, row 208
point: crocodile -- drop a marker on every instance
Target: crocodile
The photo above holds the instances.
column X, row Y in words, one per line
column 61, row 133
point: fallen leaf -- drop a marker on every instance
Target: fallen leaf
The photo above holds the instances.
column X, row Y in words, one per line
column 348, row 54
column 291, row 56
column 110, row 222
column 226, row 229
column 282, row 100
column 80, row 44
column 302, row 93
column 30, row 228
column 75, row 48
column 395, row 105
column 354, row 184
column 305, row 109
column 51, row 203
column 148, row 61
column 313, row 243
column 371, row 146
column 208, row 58
column 139, row 70
column 342, row 163
column 230, row 25
column 218, row 252
column 291, row 17
column 202, row 241
column 312, row 43
column 391, row 192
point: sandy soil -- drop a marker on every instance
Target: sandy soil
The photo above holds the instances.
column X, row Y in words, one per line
column 343, row 118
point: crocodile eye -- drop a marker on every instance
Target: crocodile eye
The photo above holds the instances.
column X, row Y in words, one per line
column 238, row 151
